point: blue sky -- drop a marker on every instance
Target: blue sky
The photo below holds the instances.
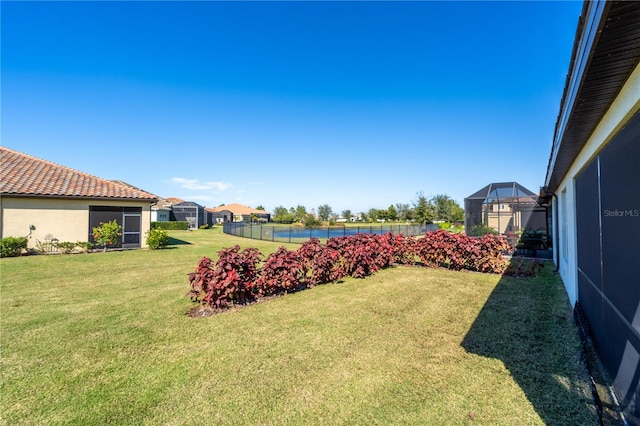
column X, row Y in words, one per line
column 357, row 105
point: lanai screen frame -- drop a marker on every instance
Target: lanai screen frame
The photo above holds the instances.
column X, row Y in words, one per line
column 523, row 212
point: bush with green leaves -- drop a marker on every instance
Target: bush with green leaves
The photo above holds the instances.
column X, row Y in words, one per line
column 66, row 247
column 107, row 234
column 481, row 230
column 84, row 246
column 157, row 238
column 12, row 246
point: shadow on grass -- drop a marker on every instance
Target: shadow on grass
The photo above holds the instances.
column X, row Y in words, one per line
column 177, row 242
column 527, row 323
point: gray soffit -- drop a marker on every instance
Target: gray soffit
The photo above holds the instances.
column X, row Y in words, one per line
column 605, row 52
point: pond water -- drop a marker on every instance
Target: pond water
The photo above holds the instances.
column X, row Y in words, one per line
column 326, row 232
column 295, row 234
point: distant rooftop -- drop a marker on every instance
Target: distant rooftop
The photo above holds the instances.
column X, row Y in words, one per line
column 238, row 209
column 502, row 191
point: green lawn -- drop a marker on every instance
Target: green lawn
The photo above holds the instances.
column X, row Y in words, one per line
column 103, row 338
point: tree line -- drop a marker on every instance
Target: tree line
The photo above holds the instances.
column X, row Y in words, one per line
column 440, row 207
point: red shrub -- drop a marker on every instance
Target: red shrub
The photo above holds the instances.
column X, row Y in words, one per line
column 457, row 251
column 237, row 279
column 403, row 248
column 282, row 272
column 231, row 281
column 320, row 264
column 362, row 254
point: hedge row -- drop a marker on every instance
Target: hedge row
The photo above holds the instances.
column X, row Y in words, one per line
column 171, row 226
column 237, row 276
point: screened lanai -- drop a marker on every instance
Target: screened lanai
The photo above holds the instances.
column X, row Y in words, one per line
column 509, row 209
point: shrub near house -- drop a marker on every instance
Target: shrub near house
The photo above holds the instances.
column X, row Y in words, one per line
column 12, row 246
column 157, row 238
column 107, row 234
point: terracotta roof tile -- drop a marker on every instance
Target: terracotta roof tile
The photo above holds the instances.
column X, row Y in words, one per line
column 25, row 175
column 236, row 208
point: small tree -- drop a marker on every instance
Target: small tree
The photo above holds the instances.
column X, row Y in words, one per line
column 107, row 234
column 447, row 209
column 311, row 221
column 392, row 213
column 282, row 215
column 404, row 211
column 373, row 215
column 300, row 213
column 423, row 210
column 325, row 212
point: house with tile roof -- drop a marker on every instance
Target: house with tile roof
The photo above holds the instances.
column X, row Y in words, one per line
column 191, row 212
column 238, row 213
column 506, row 207
column 161, row 211
column 42, row 200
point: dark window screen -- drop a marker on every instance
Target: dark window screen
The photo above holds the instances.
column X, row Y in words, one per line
column 608, row 227
column 620, row 189
column 131, row 223
column 588, row 228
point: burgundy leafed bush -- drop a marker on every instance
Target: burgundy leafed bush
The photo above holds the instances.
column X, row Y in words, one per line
column 403, row 248
column 363, row 254
column 232, row 280
column 320, row 264
column 236, row 277
column 458, row 251
column 281, row 273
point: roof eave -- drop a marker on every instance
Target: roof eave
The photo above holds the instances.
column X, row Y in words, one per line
column 589, row 28
column 76, row 197
column 597, row 74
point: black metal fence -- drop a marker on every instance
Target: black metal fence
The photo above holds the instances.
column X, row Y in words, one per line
column 292, row 234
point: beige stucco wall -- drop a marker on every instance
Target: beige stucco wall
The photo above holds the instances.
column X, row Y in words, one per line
column 64, row 219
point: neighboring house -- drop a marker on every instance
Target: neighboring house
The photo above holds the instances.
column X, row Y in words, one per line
column 507, row 207
column 593, row 188
column 161, row 211
column 43, row 200
column 242, row 213
column 191, row 212
column 220, row 216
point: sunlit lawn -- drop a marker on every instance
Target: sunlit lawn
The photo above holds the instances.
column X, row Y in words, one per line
column 103, row 338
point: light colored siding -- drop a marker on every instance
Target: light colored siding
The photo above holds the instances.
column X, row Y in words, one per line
column 64, row 219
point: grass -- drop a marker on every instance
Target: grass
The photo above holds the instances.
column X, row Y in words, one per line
column 103, row 338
